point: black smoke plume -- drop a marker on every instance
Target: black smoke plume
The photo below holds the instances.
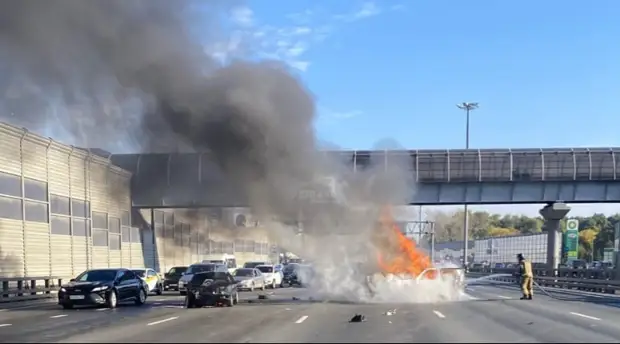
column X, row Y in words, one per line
column 136, row 72
column 108, row 70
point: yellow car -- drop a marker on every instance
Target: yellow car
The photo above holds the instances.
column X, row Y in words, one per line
column 152, row 279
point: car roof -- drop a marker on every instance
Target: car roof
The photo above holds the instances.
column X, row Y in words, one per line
column 108, row 269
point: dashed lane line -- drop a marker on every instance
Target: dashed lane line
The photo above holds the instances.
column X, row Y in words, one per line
column 585, row 316
column 59, row 316
column 439, row 314
column 302, row 319
column 5, row 325
column 161, row 321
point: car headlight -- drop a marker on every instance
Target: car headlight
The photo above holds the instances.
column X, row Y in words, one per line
column 102, row 288
column 62, row 290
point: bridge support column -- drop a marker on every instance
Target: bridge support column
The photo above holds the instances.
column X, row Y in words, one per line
column 553, row 213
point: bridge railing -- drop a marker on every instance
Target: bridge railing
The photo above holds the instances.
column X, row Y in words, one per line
column 594, row 280
column 426, row 166
column 28, row 288
column 498, row 165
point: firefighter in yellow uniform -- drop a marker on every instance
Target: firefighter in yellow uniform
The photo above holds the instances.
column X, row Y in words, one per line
column 527, row 277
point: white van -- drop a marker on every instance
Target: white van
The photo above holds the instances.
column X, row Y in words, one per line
column 228, row 259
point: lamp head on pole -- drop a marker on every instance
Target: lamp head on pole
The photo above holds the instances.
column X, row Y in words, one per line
column 467, row 106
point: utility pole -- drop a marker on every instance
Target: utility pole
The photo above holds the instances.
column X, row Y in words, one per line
column 467, row 107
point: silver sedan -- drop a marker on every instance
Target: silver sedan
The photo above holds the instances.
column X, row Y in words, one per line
column 249, row 279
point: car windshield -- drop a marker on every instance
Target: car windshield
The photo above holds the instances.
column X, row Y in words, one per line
column 178, row 270
column 265, row 269
column 251, row 265
column 200, row 268
column 97, row 276
column 243, row 272
column 140, row 273
column 290, row 268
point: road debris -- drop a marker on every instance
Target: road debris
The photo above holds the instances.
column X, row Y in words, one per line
column 358, row 318
column 390, row 312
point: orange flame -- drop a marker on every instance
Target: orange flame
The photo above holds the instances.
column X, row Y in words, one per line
column 398, row 254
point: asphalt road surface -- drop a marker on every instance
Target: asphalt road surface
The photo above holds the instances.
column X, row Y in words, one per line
column 487, row 313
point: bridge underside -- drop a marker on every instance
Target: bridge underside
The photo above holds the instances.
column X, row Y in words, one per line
column 218, row 195
column 442, row 177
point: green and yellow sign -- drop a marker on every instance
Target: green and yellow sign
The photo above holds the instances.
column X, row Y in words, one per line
column 571, row 239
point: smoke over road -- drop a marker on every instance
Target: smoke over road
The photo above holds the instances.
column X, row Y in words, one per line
column 103, row 71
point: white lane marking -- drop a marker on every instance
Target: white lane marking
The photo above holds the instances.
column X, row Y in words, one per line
column 302, row 319
column 504, row 297
column 469, row 296
column 161, row 321
column 5, row 325
column 585, row 316
column 59, row 316
column 102, row 309
column 439, row 314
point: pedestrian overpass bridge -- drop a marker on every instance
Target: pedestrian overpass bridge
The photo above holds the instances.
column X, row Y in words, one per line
column 443, row 177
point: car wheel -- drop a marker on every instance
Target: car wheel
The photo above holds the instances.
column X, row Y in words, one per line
column 112, row 299
column 67, row 306
column 141, row 298
column 189, row 301
column 160, row 289
column 182, row 292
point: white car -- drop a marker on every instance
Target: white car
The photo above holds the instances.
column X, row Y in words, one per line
column 152, row 279
column 273, row 277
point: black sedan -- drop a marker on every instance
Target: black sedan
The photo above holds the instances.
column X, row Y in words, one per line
column 172, row 277
column 103, row 287
column 211, row 289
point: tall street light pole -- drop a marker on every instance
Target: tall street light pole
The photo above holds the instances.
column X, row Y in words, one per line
column 467, row 107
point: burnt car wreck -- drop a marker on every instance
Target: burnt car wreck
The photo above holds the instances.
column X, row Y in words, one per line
column 211, row 289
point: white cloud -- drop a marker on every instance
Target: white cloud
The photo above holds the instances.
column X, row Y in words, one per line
column 242, row 16
column 329, row 116
column 369, row 9
column 289, row 43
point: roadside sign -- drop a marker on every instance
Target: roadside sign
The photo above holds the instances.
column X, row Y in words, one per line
column 572, row 239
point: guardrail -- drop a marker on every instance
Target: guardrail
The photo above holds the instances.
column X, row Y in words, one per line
column 601, row 281
column 602, row 274
column 28, row 288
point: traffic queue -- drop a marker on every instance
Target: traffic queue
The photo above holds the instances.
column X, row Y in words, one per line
column 221, row 280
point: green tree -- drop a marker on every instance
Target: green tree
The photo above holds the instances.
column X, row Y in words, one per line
column 596, row 232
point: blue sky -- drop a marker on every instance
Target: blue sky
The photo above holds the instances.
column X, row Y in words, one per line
column 544, row 72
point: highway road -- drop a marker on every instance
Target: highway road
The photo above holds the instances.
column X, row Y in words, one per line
column 487, row 314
